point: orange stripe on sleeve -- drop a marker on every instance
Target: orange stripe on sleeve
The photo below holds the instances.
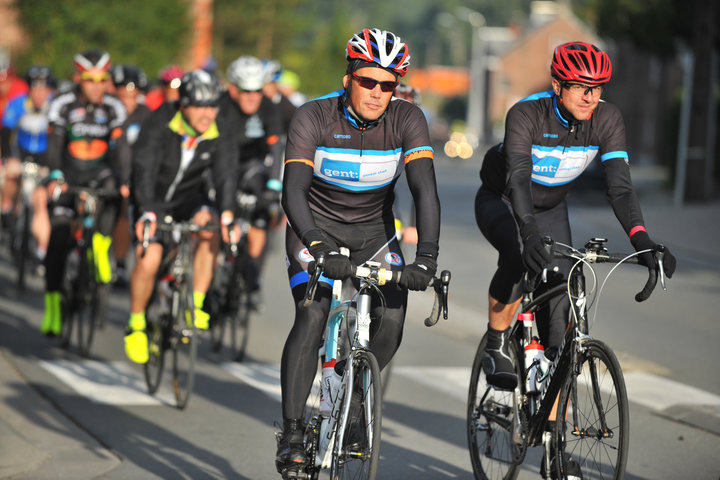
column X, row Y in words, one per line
column 418, row 154
column 273, row 139
column 307, row 162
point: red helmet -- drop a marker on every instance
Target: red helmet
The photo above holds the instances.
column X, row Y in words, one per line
column 581, row 62
column 381, row 47
column 170, row 73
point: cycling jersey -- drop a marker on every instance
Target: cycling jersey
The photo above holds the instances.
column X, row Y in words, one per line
column 258, row 134
column 171, row 168
column 355, row 167
column 30, row 125
column 543, row 154
column 82, row 137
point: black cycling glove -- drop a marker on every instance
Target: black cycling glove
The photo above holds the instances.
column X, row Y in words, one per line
column 641, row 241
column 337, row 266
column 417, row 275
column 535, row 255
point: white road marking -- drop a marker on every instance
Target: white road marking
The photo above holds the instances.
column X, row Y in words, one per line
column 118, row 383
column 112, row 383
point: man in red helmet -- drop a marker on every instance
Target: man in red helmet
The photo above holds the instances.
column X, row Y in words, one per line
column 336, row 196
column 550, row 139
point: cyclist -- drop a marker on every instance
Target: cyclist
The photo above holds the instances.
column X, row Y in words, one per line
column 130, row 86
column 550, row 139
column 260, row 152
column 345, row 153
column 167, row 91
column 24, row 137
column 179, row 146
column 84, row 125
column 10, row 85
column 273, row 72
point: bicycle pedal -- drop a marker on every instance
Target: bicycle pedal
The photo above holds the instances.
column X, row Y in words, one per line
column 294, row 473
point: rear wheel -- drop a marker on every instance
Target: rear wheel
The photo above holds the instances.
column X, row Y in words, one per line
column 495, row 451
column 21, row 243
column 358, row 447
column 184, row 345
column 87, row 302
column 593, row 422
column 239, row 323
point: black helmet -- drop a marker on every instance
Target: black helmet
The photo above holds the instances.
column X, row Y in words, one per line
column 129, row 76
column 199, row 88
column 40, row 73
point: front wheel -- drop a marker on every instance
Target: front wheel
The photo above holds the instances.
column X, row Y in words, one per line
column 357, row 449
column 239, row 323
column 593, row 421
column 494, row 427
column 184, row 345
column 156, row 328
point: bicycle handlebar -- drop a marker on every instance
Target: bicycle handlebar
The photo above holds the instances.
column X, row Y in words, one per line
column 173, row 226
column 383, row 276
column 595, row 252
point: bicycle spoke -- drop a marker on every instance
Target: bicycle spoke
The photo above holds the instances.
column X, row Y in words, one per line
column 595, row 406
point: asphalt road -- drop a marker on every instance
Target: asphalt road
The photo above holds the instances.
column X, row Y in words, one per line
column 65, row 417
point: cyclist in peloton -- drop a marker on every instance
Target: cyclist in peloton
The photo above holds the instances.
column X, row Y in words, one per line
column 24, row 138
column 259, row 153
column 273, row 72
column 550, row 139
column 130, row 86
column 179, row 146
column 345, row 153
column 84, row 125
column 167, row 91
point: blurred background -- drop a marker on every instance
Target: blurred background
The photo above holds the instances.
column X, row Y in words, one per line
column 471, row 59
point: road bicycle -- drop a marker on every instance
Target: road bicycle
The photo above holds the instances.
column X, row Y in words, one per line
column 22, row 242
column 228, row 300
column 346, row 436
column 584, row 381
column 82, row 296
column 170, row 313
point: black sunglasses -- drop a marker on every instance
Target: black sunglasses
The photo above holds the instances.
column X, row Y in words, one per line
column 371, row 83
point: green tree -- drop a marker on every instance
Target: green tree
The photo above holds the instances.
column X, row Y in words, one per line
column 147, row 33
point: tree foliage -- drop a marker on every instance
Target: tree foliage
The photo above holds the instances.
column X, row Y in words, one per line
column 148, row 33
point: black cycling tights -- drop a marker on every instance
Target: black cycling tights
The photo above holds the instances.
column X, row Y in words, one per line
column 300, row 355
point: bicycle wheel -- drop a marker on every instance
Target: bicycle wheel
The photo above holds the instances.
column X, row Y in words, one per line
column 21, row 245
column 356, row 453
column 496, row 452
column 156, row 327
column 184, row 345
column 66, row 316
column 86, row 305
column 239, row 321
column 593, row 422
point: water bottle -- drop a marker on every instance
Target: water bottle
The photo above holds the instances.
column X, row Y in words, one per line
column 534, row 359
column 331, row 381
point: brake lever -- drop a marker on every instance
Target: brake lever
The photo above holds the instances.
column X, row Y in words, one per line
column 660, row 255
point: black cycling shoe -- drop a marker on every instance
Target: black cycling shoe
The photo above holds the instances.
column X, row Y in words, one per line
column 497, row 364
column 291, row 448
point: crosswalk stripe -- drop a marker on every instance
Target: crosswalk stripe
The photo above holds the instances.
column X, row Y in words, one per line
column 112, row 383
column 118, row 383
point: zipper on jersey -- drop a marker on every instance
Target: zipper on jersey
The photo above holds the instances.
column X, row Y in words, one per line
column 362, row 139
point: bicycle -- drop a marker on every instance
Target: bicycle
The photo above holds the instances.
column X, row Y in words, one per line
column 170, row 312
column 21, row 239
column 228, row 299
column 584, row 380
column 347, row 440
column 82, row 297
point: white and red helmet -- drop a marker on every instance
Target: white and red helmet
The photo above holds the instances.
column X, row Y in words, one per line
column 90, row 59
column 384, row 48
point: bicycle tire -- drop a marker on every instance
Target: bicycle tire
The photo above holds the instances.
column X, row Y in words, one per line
column 493, row 453
column 66, row 317
column 356, row 453
column 86, row 304
column 597, row 392
column 156, row 328
column 239, row 326
column 184, row 345
column 21, row 242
